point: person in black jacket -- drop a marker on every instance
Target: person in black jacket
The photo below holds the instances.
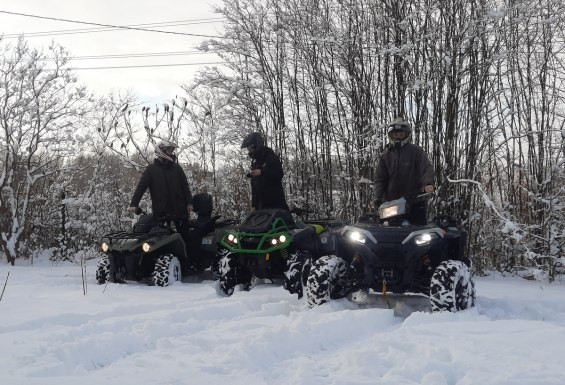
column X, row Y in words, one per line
column 167, row 183
column 266, row 174
column 171, row 198
column 404, row 169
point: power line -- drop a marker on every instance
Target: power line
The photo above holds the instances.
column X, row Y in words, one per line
column 106, row 29
column 133, row 55
column 139, row 55
column 143, row 66
column 109, row 25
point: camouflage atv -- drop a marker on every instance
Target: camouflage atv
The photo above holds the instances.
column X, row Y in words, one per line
column 270, row 244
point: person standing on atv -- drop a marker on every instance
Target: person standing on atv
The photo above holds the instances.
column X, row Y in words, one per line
column 171, row 198
column 266, row 174
column 404, row 170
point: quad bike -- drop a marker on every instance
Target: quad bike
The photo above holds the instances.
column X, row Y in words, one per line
column 389, row 259
column 270, row 244
column 155, row 253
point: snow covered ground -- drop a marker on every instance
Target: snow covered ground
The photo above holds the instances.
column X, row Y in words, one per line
column 50, row 333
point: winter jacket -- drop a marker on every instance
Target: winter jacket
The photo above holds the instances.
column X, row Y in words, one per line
column 403, row 171
column 168, row 186
column 266, row 189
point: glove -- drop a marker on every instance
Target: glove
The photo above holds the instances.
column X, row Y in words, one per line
column 189, row 208
column 429, row 188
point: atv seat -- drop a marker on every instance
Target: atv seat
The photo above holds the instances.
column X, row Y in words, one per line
column 203, row 205
column 145, row 223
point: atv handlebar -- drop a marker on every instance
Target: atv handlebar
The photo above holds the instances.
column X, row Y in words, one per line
column 226, row 222
column 139, row 211
column 299, row 211
column 417, row 195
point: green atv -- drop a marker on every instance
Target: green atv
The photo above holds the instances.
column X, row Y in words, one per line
column 270, row 244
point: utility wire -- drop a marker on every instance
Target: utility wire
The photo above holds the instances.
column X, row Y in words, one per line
column 132, row 55
column 109, row 25
column 106, row 29
column 143, row 66
column 139, row 55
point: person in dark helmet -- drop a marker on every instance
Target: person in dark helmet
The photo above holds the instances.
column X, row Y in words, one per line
column 167, row 184
column 171, row 198
column 404, row 169
column 266, row 174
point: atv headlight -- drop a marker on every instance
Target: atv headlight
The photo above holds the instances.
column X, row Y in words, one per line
column 232, row 238
column 356, row 237
column 425, row 239
column 105, row 247
column 279, row 239
column 146, row 247
column 388, row 212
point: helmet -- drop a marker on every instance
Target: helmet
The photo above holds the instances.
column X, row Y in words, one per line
column 164, row 150
column 399, row 125
column 254, row 140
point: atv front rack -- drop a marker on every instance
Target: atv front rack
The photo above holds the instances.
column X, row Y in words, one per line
column 140, row 236
column 249, row 242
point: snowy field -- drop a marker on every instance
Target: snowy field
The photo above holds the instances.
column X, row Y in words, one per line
column 50, row 333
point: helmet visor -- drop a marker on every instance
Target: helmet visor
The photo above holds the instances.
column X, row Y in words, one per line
column 398, row 127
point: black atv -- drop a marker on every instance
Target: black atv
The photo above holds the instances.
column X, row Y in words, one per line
column 271, row 245
column 155, row 253
column 386, row 256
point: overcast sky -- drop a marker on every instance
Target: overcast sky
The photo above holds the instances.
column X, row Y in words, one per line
column 151, row 84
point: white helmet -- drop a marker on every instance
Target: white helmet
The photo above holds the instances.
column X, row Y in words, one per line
column 164, row 150
column 401, row 125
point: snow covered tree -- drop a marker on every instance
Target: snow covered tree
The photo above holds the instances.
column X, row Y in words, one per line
column 41, row 107
column 481, row 81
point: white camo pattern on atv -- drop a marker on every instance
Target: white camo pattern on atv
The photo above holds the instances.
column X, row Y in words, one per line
column 228, row 278
column 293, row 274
column 216, row 263
column 452, row 287
column 103, row 270
column 167, row 270
column 327, row 280
column 232, row 274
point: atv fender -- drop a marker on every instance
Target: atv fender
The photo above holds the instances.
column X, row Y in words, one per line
column 328, row 243
column 306, row 239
